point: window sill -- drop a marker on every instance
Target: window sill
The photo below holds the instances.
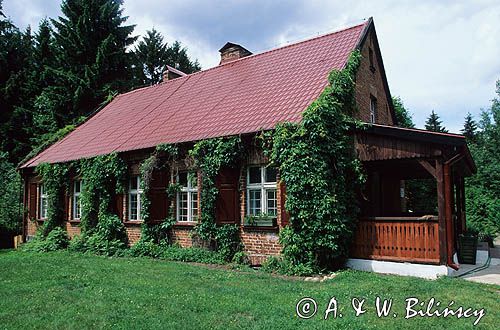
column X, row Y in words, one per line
column 185, row 224
column 74, row 221
column 133, row 222
column 41, row 220
column 260, row 228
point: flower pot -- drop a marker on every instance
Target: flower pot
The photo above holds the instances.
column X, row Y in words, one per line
column 467, row 249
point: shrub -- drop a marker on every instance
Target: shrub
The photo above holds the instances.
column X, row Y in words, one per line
column 145, row 248
column 241, row 258
column 109, row 238
column 57, row 239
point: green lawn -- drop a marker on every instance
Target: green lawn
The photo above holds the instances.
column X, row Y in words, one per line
column 65, row 290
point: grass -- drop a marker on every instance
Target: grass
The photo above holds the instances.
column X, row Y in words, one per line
column 62, row 290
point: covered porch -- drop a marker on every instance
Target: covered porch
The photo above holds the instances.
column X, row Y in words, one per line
column 413, row 204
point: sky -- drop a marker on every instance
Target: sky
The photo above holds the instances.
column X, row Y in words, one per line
column 438, row 55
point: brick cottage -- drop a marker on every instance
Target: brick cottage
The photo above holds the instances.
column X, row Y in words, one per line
column 244, row 95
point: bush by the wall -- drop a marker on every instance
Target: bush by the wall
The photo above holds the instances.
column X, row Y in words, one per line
column 56, row 239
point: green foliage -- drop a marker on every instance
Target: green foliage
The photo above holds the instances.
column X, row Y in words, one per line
column 57, row 239
column 154, row 231
column 434, row 124
column 109, row 238
column 211, row 156
column 470, row 128
column 55, row 182
column 284, row 266
column 318, row 166
column 403, row 116
column 152, row 55
column 45, row 140
column 103, row 176
column 10, row 196
column 228, row 241
column 175, row 253
column 483, row 188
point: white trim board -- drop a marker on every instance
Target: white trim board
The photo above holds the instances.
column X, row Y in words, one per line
column 400, row 268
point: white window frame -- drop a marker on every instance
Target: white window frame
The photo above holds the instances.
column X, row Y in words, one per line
column 43, row 202
column 264, row 187
column 134, row 192
column 373, row 109
column 190, row 190
column 77, row 205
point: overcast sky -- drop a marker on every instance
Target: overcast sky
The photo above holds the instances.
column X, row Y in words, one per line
column 438, row 55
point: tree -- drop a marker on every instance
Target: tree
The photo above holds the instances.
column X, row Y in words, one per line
column 151, row 57
column 177, row 57
column 10, row 192
column 470, row 128
column 434, row 124
column 403, row 116
column 92, row 61
column 483, row 188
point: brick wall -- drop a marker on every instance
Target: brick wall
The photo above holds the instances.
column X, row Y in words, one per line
column 182, row 236
column 369, row 82
column 73, row 228
column 259, row 245
column 133, row 233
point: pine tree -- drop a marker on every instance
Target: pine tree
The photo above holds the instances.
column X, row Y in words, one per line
column 434, row 124
column 470, row 128
column 177, row 57
column 403, row 116
column 151, row 56
column 91, row 43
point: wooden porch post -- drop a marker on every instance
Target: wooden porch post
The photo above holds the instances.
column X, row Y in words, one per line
column 441, row 211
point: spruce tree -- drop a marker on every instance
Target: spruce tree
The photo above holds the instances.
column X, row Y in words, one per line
column 178, row 58
column 151, row 57
column 403, row 116
column 434, row 124
column 470, row 128
column 91, row 41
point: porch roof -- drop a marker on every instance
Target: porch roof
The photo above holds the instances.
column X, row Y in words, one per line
column 379, row 142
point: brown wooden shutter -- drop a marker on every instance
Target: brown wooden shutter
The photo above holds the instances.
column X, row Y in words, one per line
column 227, row 206
column 158, row 195
column 32, row 200
column 119, row 205
column 284, row 214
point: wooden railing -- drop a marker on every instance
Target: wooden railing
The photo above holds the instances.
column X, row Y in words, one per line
column 407, row 239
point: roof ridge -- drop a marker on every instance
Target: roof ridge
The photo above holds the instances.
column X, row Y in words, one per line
column 261, row 53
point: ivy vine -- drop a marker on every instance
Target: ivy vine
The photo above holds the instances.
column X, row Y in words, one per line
column 210, row 157
column 163, row 154
column 103, row 177
column 56, row 184
column 321, row 173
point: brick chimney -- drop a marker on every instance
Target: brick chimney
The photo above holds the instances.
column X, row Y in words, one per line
column 172, row 73
column 231, row 52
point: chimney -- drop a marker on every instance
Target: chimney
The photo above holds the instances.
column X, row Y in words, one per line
column 172, row 73
column 231, row 52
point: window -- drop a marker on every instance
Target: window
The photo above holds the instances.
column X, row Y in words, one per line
column 43, row 203
column 373, row 109
column 134, row 199
column 187, row 197
column 370, row 56
column 77, row 205
column 261, row 191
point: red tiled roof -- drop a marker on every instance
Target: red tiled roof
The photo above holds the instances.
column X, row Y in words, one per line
column 243, row 96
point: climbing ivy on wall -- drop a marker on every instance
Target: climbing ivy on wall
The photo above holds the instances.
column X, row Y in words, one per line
column 103, row 177
column 318, row 166
column 210, row 157
column 55, row 183
column 164, row 154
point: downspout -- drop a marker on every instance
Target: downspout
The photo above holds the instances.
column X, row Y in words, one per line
column 448, row 216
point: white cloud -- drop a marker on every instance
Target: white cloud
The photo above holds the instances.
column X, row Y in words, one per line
column 438, row 55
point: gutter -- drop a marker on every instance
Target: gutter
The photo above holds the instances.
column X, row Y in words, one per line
column 448, row 216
